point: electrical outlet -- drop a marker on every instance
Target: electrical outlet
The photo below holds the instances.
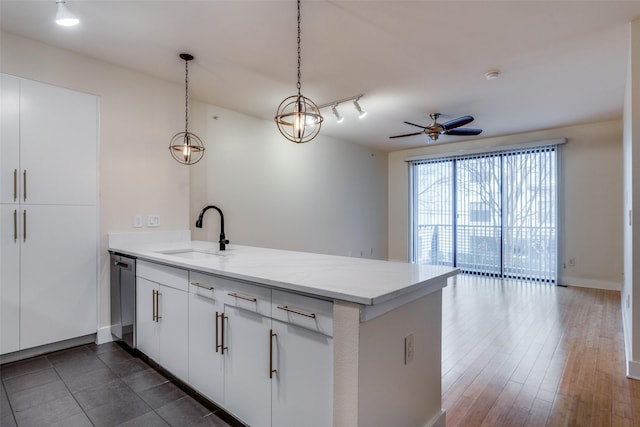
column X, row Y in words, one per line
column 572, row 262
column 153, row 221
column 408, row 349
column 137, row 221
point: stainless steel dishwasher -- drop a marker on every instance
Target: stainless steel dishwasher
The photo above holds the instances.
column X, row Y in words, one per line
column 123, row 298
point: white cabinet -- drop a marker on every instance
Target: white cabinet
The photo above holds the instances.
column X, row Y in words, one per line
column 206, row 367
column 266, row 356
column 302, row 360
column 162, row 320
column 49, row 231
column 58, row 274
column 9, row 279
column 247, row 383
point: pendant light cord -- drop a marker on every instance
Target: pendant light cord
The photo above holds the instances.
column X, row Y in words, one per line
column 186, row 97
column 299, row 86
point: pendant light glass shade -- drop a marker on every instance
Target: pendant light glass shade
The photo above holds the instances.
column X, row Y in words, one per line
column 186, row 147
column 298, row 118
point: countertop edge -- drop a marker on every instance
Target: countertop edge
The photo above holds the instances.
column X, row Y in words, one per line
column 433, row 283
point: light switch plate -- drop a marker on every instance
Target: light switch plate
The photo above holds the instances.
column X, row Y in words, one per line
column 137, row 221
column 153, row 221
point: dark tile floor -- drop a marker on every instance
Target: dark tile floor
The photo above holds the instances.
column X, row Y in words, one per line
column 99, row 385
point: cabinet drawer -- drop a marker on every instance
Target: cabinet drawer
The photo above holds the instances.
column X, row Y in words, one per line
column 307, row 312
column 248, row 297
column 163, row 274
column 206, row 286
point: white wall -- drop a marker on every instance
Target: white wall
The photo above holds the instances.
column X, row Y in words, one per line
column 590, row 193
column 325, row 196
column 631, row 211
column 138, row 117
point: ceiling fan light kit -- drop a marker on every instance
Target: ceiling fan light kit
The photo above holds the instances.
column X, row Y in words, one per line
column 435, row 129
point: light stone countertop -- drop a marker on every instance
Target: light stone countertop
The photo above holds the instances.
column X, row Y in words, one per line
column 358, row 280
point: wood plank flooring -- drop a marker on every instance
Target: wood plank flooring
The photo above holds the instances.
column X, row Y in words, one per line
column 528, row 354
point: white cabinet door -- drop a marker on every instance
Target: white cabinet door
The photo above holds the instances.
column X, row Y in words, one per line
column 10, row 236
column 58, row 149
column 206, row 367
column 247, row 386
column 10, row 137
column 173, row 335
column 58, row 265
column 146, row 325
column 302, row 386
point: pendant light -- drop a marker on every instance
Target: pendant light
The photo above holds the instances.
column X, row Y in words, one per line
column 298, row 118
column 185, row 146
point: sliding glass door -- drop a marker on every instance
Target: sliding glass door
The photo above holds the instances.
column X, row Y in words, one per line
column 492, row 214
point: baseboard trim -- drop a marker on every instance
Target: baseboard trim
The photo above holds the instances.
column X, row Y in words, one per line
column 633, row 369
column 590, row 283
column 48, row 348
column 104, row 335
column 439, row 420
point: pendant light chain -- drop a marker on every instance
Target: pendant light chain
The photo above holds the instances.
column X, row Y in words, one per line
column 186, row 96
column 299, row 86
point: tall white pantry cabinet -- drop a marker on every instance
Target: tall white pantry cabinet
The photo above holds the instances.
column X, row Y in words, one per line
column 48, row 222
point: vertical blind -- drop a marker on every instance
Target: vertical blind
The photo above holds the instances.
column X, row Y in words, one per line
column 492, row 214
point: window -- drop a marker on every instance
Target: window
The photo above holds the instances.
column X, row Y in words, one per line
column 491, row 214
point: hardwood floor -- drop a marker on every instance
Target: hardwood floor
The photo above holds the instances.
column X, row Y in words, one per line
column 528, row 354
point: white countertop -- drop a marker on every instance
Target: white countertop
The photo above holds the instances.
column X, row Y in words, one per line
column 358, row 280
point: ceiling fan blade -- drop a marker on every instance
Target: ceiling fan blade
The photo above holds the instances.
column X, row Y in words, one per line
column 407, row 134
column 464, row 132
column 460, row 121
column 413, row 124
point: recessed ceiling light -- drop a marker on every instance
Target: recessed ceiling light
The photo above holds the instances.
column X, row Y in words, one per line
column 64, row 17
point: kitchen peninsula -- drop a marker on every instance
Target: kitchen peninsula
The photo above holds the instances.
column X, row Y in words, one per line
column 279, row 337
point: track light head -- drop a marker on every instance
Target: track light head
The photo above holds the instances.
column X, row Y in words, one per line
column 339, row 118
column 361, row 114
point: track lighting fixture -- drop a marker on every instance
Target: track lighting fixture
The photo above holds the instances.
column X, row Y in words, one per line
column 339, row 118
column 361, row 114
column 63, row 16
column 334, row 107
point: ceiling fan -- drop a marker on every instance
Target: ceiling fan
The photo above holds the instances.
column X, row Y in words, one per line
column 435, row 129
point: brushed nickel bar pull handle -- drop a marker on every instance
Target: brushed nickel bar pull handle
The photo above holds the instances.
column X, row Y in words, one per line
column 200, row 285
column 217, row 326
column 158, row 317
column 24, row 188
column 222, row 346
column 271, row 370
column 300, row 313
column 153, row 305
column 15, row 185
column 15, row 225
column 235, row 295
column 24, row 225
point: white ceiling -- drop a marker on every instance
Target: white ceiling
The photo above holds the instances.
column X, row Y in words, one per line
column 561, row 62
